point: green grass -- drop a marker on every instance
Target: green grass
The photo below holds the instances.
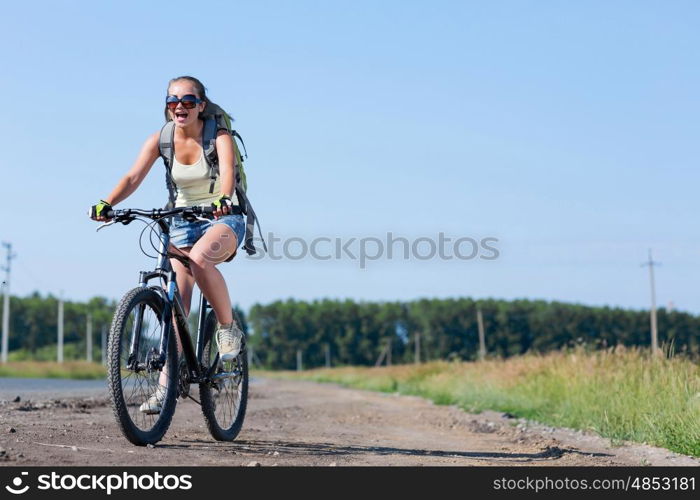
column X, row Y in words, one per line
column 71, row 351
column 51, row 369
column 619, row 394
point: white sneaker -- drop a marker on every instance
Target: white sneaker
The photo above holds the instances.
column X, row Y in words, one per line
column 155, row 403
column 229, row 338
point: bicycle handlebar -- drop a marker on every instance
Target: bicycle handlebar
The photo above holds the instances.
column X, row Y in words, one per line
column 157, row 213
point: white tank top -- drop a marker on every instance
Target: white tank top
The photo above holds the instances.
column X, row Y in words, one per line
column 193, row 181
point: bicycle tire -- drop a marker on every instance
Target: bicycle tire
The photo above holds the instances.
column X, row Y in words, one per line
column 224, row 408
column 129, row 389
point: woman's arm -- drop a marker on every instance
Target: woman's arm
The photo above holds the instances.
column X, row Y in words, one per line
column 133, row 178
column 224, row 150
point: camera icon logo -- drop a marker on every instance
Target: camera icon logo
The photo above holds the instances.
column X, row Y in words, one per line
column 17, row 482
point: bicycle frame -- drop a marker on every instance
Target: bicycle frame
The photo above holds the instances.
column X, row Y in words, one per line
column 173, row 304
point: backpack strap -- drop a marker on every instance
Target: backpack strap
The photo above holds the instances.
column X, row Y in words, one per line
column 238, row 136
column 251, row 217
column 209, row 145
column 166, row 146
column 250, row 221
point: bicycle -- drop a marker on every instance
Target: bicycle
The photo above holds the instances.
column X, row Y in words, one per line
column 142, row 355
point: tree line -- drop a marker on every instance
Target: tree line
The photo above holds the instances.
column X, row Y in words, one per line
column 355, row 333
column 34, row 325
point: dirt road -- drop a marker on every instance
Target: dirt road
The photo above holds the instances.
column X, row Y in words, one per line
column 306, row 424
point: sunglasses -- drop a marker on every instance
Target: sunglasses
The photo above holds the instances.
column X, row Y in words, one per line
column 188, row 101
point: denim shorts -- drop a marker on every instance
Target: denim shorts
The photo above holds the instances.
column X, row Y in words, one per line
column 185, row 234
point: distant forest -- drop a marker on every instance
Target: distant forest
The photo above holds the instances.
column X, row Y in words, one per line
column 357, row 332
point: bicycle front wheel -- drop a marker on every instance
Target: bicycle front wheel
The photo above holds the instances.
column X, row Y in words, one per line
column 143, row 397
column 225, row 397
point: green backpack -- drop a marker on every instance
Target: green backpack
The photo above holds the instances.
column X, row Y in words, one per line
column 215, row 119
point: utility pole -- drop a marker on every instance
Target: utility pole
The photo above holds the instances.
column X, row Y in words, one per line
column 299, row 360
column 386, row 353
column 654, row 327
column 381, row 357
column 482, row 335
column 104, row 345
column 88, row 339
column 60, row 329
column 6, row 302
column 328, row 355
column 416, row 354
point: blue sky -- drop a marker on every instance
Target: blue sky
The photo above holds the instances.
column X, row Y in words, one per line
column 567, row 130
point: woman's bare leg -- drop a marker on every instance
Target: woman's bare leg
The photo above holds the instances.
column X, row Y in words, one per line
column 217, row 245
column 185, row 279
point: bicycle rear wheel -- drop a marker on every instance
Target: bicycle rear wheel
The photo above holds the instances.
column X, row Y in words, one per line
column 131, row 379
column 224, row 400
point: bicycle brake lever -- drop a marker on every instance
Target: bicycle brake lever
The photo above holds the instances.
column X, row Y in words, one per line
column 192, row 218
column 203, row 219
column 105, row 225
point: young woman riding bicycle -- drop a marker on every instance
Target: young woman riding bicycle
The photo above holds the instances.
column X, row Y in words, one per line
column 205, row 245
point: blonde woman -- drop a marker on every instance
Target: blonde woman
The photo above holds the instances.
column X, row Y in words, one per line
column 205, row 244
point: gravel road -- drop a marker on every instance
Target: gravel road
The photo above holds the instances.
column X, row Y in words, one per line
column 303, row 424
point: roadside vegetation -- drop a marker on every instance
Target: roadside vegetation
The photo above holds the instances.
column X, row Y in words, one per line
column 622, row 394
column 50, row 369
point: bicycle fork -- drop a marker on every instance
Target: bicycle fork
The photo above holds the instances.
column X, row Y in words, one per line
column 132, row 363
column 173, row 306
